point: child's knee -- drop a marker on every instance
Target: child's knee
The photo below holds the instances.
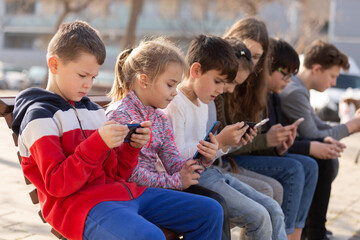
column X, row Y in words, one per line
column 153, row 233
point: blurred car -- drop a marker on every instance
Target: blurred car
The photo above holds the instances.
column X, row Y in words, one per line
column 16, row 77
column 37, row 75
column 3, row 84
column 103, row 82
column 326, row 104
column 17, row 80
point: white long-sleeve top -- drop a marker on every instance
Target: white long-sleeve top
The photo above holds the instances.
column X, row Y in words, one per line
column 189, row 122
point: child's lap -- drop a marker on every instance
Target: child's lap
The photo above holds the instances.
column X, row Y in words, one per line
column 155, row 207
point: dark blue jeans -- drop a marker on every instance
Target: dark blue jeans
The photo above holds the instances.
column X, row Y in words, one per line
column 297, row 174
column 195, row 216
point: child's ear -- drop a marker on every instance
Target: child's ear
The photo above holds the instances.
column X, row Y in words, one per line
column 316, row 68
column 53, row 64
column 195, row 70
column 144, row 81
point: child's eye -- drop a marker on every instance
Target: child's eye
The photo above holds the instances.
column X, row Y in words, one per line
column 82, row 75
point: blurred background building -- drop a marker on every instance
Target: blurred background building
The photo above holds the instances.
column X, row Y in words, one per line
column 26, row 26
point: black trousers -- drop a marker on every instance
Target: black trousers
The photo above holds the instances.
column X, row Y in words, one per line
column 199, row 190
column 316, row 219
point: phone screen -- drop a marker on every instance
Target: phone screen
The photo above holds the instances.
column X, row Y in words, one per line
column 132, row 129
column 212, row 130
column 255, row 125
column 262, row 122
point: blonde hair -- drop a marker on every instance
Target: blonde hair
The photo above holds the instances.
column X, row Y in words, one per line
column 150, row 58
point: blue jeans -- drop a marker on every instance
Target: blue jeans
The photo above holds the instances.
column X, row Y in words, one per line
column 195, row 216
column 298, row 176
column 261, row 216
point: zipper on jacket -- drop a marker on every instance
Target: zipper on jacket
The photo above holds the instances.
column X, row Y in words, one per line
column 78, row 118
column 82, row 131
column 131, row 196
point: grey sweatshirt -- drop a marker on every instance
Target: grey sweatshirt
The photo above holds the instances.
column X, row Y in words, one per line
column 295, row 103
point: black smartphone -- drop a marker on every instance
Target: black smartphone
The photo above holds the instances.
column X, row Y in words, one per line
column 255, row 125
column 132, row 129
column 212, row 130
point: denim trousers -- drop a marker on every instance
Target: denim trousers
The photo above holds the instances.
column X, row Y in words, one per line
column 195, row 216
column 261, row 215
column 200, row 190
column 297, row 174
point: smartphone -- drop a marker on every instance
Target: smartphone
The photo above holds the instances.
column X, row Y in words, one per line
column 132, row 129
column 262, row 122
column 297, row 122
column 255, row 125
column 212, row 130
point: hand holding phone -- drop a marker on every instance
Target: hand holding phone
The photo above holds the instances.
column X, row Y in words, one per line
column 255, row 125
column 132, row 129
column 212, row 130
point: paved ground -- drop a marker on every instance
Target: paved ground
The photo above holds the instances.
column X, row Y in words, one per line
column 19, row 219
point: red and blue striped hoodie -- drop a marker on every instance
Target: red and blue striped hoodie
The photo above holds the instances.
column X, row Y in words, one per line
column 64, row 156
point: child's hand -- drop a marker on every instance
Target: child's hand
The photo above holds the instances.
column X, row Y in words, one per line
column 231, row 135
column 330, row 140
column 113, row 134
column 189, row 173
column 208, row 149
column 324, row 150
column 277, row 134
column 248, row 137
column 284, row 146
column 141, row 135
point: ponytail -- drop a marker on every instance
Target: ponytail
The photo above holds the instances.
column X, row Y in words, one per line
column 150, row 58
column 120, row 85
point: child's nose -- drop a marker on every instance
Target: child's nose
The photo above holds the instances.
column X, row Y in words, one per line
column 221, row 89
column 88, row 83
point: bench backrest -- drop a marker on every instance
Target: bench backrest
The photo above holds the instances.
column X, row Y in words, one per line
column 6, row 109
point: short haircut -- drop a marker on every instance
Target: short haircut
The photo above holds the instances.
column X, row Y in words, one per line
column 75, row 38
column 283, row 55
column 213, row 53
column 325, row 54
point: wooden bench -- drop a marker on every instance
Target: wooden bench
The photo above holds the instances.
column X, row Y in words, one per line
column 6, row 109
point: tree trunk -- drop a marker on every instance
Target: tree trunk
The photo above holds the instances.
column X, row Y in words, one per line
column 130, row 37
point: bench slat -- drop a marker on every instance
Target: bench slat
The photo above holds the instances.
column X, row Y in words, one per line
column 57, row 234
column 6, row 105
column 34, row 196
column 41, row 216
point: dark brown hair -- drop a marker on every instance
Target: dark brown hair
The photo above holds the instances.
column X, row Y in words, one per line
column 150, row 58
column 248, row 100
column 75, row 38
column 213, row 53
column 283, row 55
column 242, row 53
column 325, row 54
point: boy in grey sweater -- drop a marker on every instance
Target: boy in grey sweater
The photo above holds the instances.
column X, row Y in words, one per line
column 322, row 64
